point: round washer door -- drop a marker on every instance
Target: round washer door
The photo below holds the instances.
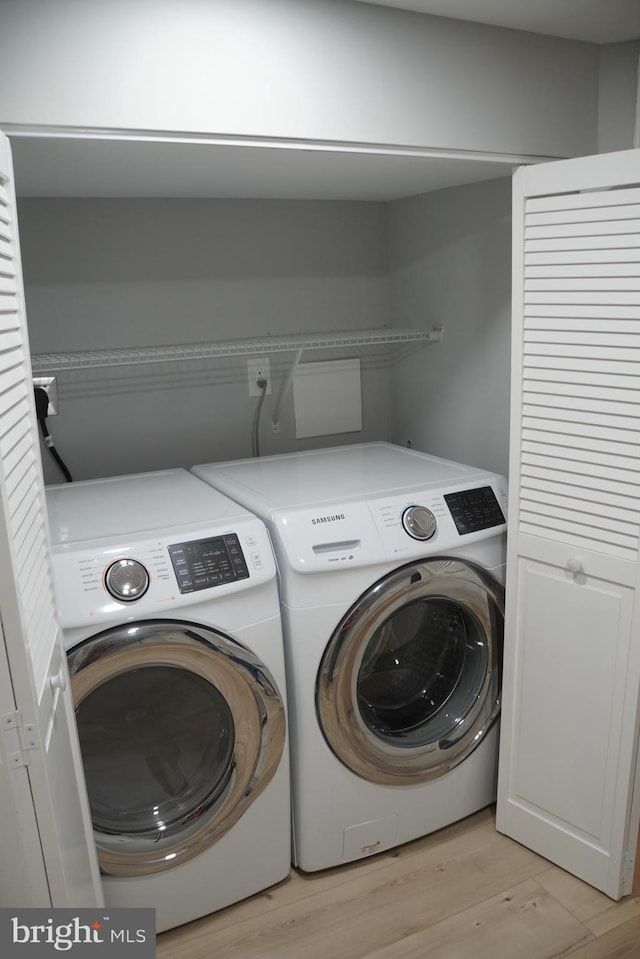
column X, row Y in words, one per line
column 181, row 728
column 410, row 681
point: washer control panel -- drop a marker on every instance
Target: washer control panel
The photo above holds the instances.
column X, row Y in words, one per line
column 202, row 563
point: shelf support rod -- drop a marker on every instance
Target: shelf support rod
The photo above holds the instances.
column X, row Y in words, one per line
column 284, row 390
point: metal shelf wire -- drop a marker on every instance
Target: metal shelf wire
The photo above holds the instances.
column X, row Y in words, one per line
column 88, row 359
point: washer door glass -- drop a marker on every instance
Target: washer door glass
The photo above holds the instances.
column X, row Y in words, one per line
column 180, row 729
column 410, row 681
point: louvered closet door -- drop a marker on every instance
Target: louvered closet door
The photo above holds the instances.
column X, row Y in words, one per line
column 44, row 768
column 572, row 634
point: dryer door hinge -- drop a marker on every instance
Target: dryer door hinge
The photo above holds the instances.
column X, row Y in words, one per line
column 20, row 738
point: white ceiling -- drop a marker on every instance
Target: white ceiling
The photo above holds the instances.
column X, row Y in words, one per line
column 596, row 21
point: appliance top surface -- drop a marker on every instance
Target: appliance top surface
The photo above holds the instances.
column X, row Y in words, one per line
column 340, row 473
column 138, row 503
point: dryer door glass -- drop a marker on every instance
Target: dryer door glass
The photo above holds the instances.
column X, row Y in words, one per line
column 157, row 743
column 410, row 681
column 181, row 728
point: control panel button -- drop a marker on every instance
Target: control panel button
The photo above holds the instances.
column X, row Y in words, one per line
column 127, row 580
column 419, row 522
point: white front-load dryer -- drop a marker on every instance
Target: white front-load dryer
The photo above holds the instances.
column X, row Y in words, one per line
column 391, row 568
column 169, row 609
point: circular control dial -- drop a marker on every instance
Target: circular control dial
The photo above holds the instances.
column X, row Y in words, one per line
column 419, row 522
column 127, row 580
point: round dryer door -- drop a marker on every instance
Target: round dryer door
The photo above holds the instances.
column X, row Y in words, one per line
column 410, row 681
column 180, row 729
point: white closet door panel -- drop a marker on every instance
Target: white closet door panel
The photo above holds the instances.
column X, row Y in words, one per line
column 539, row 443
column 602, row 471
column 566, row 749
column 545, row 444
column 7, row 287
column 31, row 542
column 597, row 464
column 12, row 379
column 571, row 531
column 537, row 416
column 624, row 509
column 572, row 476
column 569, row 477
column 581, row 521
column 535, row 527
column 583, row 228
column 6, row 321
column 12, row 357
column 596, row 199
column 604, row 298
column 576, row 490
column 551, row 323
column 576, row 366
column 571, row 355
column 572, row 636
column 568, row 217
column 573, row 243
column 620, row 403
column 584, row 312
column 613, row 375
column 20, row 475
column 552, row 273
column 623, row 571
column 602, row 282
column 13, row 419
column 28, row 617
column 606, row 258
column 569, row 427
column 560, row 333
column 569, row 635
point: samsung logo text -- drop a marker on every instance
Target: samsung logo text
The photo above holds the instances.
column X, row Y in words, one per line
column 333, row 518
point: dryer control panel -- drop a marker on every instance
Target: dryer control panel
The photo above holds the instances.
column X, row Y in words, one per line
column 208, row 562
column 96, row 582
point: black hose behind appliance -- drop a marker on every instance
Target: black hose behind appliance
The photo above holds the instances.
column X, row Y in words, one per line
column 42, row 410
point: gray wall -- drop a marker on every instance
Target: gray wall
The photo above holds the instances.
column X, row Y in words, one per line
column 450, row 264
column 119, row 273
column 104, row 273
column 319, row 69
column 618, row 109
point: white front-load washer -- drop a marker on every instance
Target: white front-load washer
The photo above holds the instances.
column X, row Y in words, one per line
column 391, row 569
column 171, row 621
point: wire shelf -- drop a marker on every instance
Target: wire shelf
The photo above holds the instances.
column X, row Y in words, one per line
column 88, row 359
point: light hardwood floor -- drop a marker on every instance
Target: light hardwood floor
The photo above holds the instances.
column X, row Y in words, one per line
column 466, row 892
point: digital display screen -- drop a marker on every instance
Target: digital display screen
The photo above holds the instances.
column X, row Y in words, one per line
column 202, row 563
column 474, row 509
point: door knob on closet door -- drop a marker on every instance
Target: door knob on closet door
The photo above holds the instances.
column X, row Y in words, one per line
column 59, row 681
column 574, row 565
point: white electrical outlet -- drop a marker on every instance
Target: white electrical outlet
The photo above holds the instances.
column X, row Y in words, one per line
column 259, row 368
column 49, row 385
